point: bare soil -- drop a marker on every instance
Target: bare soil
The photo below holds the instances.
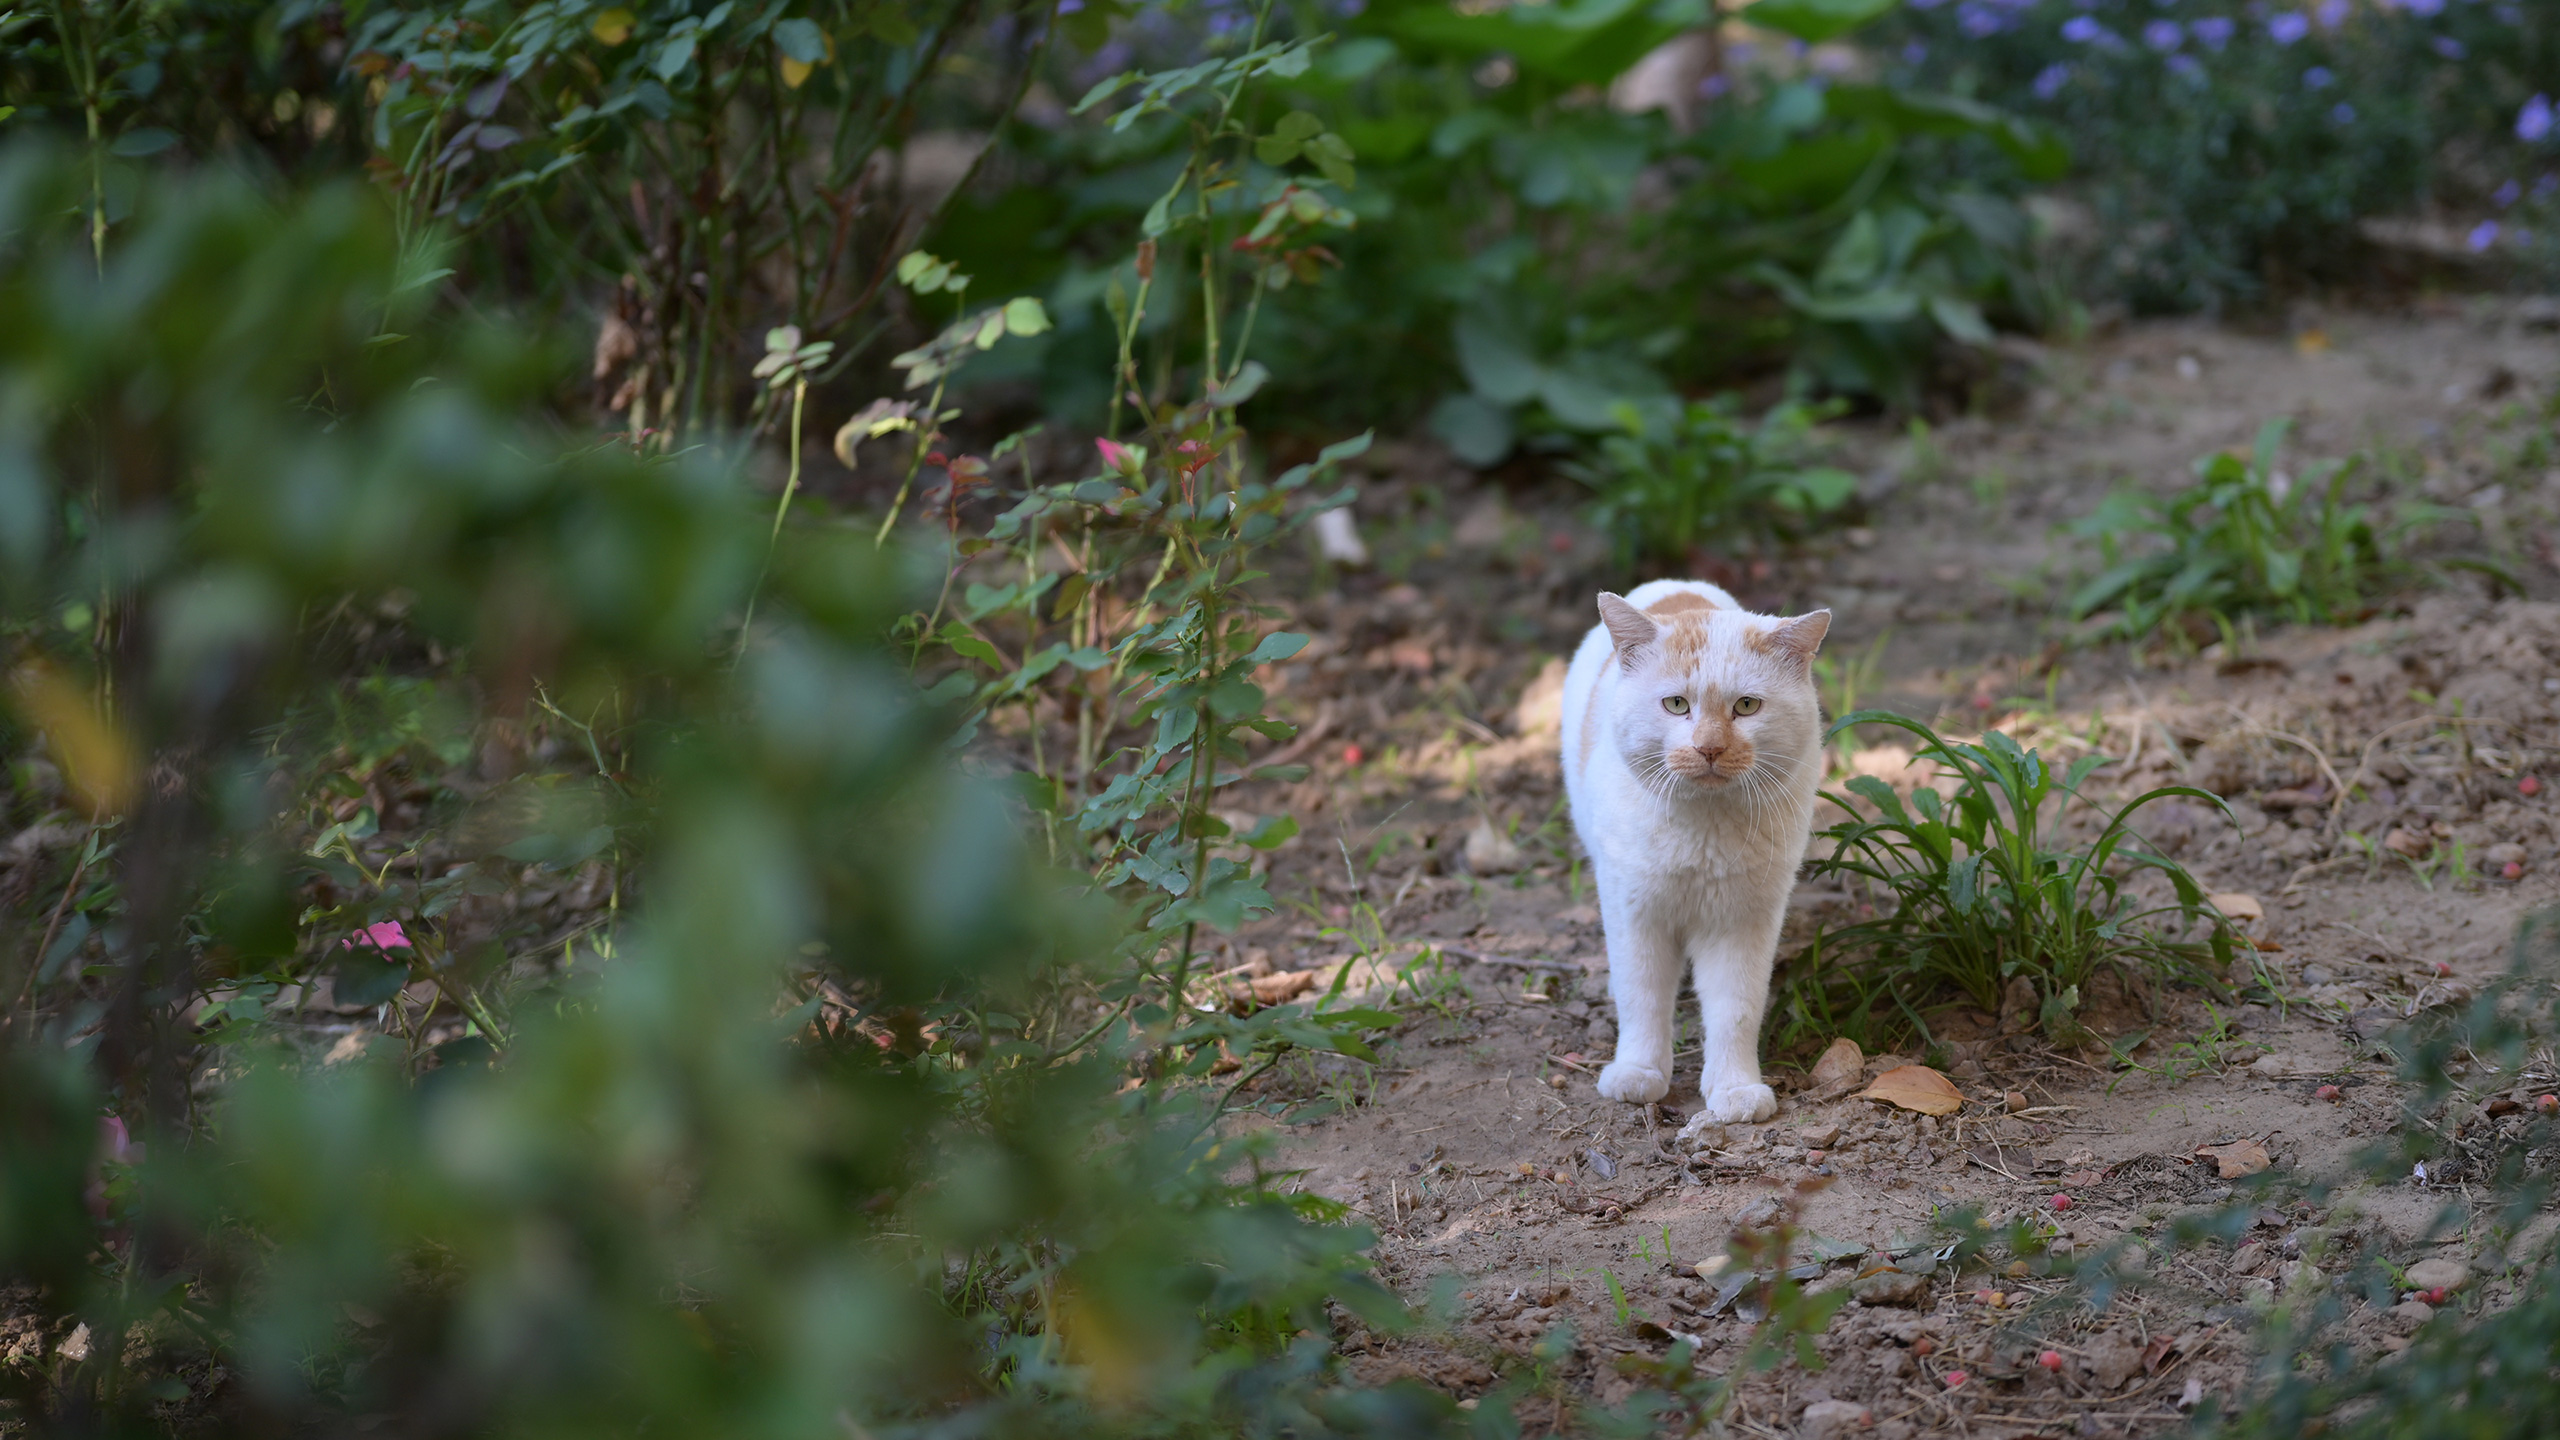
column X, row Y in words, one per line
column 1505, row 1190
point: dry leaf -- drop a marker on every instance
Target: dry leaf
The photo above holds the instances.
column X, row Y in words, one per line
column 1915, row 1087
column 2238, row 1158
column 1839, row 1065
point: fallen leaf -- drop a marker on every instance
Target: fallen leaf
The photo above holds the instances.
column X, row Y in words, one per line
column 2078, row 1178
column 2157, row 1351
column 1839, row 1065
column 1915, row 1087
column 2237, row 1158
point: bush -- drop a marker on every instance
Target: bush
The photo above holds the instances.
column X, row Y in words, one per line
column 828, row 1129
column 2244, row 540
column 1705, row 477
column 1981, row 896
column 2243, row 144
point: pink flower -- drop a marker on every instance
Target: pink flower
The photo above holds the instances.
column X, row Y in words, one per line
column 386, row 935
column 1120, row 457
column 1955, row 1378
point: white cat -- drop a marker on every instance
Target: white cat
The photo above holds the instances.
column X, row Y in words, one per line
column 1692, row 750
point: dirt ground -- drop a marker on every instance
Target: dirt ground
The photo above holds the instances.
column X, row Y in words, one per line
column 1503, row 1186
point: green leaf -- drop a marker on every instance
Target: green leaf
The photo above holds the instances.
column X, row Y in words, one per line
column 675, row 56
column 1242, row 386
column 1025, row 316
column 1814, row 21
column 1961, row 319
column 1272, row 832
column 1278, row 645
column 1476, row 430
column 800, row 39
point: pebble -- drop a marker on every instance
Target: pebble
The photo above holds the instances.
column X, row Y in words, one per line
column 1819, row 1137
column 2408, row 1315
column 1891, row 1287
column 1828, row 1419
column 2113, row 1360
column 2319, row 975
column 2438, row 1274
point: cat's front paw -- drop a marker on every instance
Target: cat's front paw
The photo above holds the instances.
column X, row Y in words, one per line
column 1738, row 1104
column 1638, row 1084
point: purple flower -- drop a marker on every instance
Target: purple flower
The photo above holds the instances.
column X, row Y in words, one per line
column 2483, row 235
column 1714, row 86
column 2051, row 79
column 2318, row 78
column 2187, row 67
column 2287, row 28
column 2421, row 8
column 2082, row 30
column 1980, row 21
column 2534, row 120
column 2507, row 194
column 2448, row 47
column 2333, row 13
column 2214, row 31
column 1915, row 52
column 2164, row 35
column 1070, row 7
column 2543, row 188
column 2343, row 113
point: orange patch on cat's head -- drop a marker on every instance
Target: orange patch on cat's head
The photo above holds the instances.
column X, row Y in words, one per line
column 1679, row 602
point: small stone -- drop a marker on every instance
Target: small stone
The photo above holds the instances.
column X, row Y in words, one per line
column 2248, row 1257
column 1819, row 1137
column 1490, row 852
column 2113, row 1360
column 2257, row 1292
column 2014, row 1101
column 76, row 1345
column 2509, row 853
column 2438, row 1274
column 2407, row 1316
column 1891, row 1287
column 1828, row 1419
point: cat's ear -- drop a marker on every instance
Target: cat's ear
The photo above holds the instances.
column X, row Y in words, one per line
column 1796, row 638
column 1629, row 628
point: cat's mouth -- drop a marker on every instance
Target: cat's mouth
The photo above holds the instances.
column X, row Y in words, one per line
column 1705, row 772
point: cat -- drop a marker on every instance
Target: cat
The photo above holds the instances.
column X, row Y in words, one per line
column 1692, row 750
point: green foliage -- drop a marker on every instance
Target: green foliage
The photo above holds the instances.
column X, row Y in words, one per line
column 1982, row 893
column 2243, row 540
column 2244, row 144
column 1704, row 476
column 825, row 1130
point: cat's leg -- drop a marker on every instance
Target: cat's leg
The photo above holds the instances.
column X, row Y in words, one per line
column 1644, row 985
column 1732, row 974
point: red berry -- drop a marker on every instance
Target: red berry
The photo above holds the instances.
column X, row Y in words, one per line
column 1924, row 1346
column 1560, row 542
column 2051, row 1359
column 2434, row 1296
column 2442, row 968
column 2328, row 1092
column 2529, row 786
column 2512, row 870
column 1350, row 754
column 1954, row 1378
column 2547, row 1104
column 2061, row 1202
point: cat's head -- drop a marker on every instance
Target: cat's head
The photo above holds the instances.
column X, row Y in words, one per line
column 1713, row 697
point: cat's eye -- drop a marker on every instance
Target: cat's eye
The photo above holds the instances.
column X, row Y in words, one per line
column 1748, row 704
column 1676, row 704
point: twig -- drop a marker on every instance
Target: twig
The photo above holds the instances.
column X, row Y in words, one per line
column 1481, row 957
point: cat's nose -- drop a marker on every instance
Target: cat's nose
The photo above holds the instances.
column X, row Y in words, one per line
column 1709, row 753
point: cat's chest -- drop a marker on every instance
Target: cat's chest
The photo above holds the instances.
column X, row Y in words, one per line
column 1674, row 852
